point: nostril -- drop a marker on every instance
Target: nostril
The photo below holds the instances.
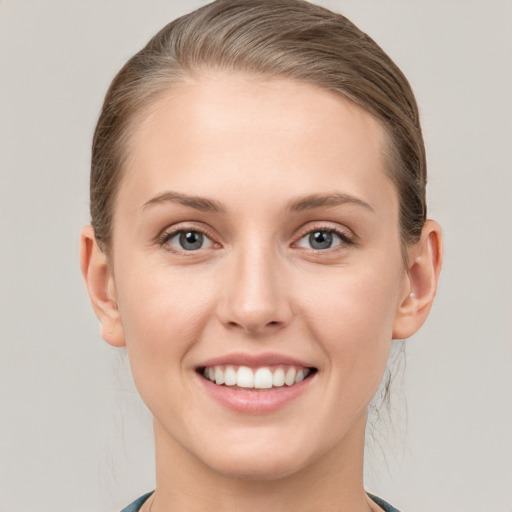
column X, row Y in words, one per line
column 255, row 326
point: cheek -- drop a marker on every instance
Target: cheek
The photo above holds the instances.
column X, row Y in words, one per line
column 157, row 300
column 352, row 315
column 164, row 313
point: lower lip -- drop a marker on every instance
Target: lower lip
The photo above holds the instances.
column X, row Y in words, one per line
column 252, row 401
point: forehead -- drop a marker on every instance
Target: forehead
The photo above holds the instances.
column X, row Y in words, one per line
column 228, row 127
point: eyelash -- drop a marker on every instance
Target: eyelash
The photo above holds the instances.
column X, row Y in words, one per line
column 346, row 238
column 163, row 239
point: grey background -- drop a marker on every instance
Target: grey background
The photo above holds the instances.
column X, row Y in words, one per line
column 73, row 435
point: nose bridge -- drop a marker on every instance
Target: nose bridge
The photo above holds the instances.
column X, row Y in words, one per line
column 255, row 298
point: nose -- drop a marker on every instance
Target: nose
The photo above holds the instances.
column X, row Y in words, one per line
column 255, row 298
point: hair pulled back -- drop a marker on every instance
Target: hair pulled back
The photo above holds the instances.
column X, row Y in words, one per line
column 270, row 39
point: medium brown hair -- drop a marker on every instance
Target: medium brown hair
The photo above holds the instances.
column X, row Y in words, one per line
column 271, row 39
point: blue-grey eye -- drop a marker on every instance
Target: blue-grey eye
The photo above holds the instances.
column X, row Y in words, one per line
column 189, row 240
column 320, row 239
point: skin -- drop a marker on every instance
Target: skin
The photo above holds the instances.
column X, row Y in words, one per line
column 255, row 148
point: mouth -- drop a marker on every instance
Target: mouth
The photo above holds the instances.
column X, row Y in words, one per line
column 246, row 378
column 256, row 384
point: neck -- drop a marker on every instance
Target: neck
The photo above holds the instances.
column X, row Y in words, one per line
column 333, row 482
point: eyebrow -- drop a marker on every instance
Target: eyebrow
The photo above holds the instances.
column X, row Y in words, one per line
column 318, row 200
column 297, row 205
column 196, row 202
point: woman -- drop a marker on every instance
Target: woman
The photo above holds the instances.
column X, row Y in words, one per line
column 259, row 237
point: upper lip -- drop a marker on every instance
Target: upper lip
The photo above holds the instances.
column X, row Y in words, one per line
column 254, row 360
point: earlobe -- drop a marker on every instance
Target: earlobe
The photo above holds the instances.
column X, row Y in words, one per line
column 425, row 260
column 101, row 287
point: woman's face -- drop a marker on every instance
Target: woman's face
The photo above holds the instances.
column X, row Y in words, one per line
column 256, row 228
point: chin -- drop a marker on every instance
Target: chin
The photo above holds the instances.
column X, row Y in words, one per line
column 260, row 459
column 257, row 468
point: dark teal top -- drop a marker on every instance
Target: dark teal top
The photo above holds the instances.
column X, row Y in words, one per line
column 135, row 506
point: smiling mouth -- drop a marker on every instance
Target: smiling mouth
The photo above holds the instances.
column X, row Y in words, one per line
column 263, row 377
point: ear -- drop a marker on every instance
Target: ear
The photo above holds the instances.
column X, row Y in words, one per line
column 425, row 260
column 101, row 287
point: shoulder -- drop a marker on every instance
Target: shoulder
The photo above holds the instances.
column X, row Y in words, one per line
column 383, row 504
column 135, row 506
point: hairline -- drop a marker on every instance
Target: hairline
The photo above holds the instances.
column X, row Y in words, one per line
column 178, row 76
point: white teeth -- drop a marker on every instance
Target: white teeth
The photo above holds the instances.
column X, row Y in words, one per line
column 219, row 376
column 230, row 376
column 278, row 378
column 261, row 378
column 244, row 377
column 289, row 378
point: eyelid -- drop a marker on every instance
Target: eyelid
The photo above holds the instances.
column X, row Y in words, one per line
column 346, row 235
column 172, row 231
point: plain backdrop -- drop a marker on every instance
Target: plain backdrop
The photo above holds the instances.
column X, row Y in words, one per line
column 73, row 434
